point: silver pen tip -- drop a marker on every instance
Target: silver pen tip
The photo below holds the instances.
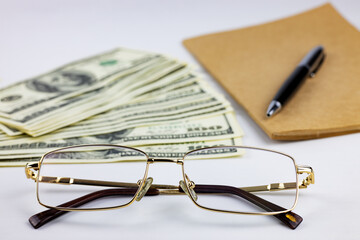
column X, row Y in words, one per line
column 270, row 113
column 273, row 108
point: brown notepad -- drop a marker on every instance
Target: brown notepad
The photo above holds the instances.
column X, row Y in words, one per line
column 252, row 63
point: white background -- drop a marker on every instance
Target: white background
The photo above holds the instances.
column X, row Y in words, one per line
column 37, row 36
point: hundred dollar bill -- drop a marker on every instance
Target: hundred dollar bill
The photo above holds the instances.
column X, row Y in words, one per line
column 182, row 86
column 158, row 111
column 213, row 128
column 159, row 105
column 193, row 92
column 117, row 97
column 163, row 100
column 21, row 119
column 125, row 87
column 129, row 123
column 140, row 122
column 189, row 81
column 170, row 98
column 71, row 79
column 176, row 150
column 120, row 127
column 99, row 99
column 165, row 109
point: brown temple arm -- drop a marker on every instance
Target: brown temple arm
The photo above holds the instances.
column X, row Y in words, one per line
column 44, row 217
column 291, row 219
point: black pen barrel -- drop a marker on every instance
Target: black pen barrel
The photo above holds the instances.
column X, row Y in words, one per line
column 291, row 84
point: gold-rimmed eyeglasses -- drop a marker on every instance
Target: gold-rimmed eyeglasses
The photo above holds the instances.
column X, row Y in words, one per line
column 230, row 179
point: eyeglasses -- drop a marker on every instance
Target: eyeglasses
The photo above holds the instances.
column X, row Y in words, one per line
column 229, row 179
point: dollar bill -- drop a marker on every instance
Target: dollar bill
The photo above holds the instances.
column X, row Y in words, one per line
column 191, row 102
column 89, row 109
column 88, row 103
column 212, row 128
column 137, row 99
column 152, row 112
column 175, row 150
column 27, row 118
column 188, row 82
column 70, row 80
column 135, row 115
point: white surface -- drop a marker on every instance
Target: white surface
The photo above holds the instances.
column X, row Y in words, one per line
column 36, row 36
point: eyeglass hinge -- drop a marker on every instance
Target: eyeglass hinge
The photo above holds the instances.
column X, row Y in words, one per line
column 310, row 179
column 30, row 170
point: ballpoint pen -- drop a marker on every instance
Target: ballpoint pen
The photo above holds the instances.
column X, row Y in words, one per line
column 308, row 66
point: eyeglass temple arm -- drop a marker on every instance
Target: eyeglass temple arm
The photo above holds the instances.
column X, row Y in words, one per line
column 301, row 169
column 44, row 217
column 310, row 179
column 166, row 189
column 290, row 219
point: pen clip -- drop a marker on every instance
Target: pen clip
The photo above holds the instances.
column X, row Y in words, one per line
column 318, row 65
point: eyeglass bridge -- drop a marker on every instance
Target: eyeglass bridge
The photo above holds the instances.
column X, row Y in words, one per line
column 177, row 161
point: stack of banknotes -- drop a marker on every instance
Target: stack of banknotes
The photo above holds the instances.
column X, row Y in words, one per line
column 125, row 97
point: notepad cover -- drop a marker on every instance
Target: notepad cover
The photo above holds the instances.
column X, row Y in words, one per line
column 252, row 63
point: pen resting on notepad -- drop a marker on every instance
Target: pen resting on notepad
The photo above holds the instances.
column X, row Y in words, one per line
column 308, row 66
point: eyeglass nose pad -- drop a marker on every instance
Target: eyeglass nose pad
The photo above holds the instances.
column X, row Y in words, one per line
column 145, row 188
column 191, row 193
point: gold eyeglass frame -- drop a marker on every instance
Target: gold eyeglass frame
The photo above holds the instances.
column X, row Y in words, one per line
column 33, row 170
